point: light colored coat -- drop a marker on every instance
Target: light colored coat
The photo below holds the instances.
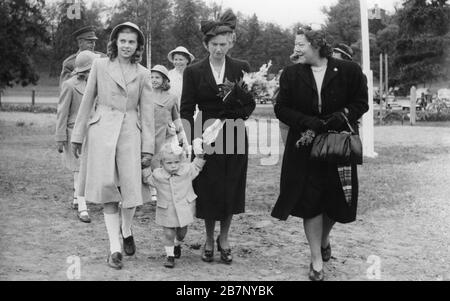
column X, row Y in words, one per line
column 121, row 128
column 176, row 84
column 72, row 91
column 166, row 112
column 175, row 194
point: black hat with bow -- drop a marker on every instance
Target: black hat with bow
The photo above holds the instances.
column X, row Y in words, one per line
column 226, row 23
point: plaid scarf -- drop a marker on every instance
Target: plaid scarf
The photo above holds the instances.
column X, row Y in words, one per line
column 345, row 175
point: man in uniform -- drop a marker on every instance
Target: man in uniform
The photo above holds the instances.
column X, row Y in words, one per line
column 86, row 41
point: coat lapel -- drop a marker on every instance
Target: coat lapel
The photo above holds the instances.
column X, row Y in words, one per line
column 208, row 75
column 80, row 86
column 305, row 73
column 229, row 71
column 113, row 69
column 133, row 75
column 331, row 72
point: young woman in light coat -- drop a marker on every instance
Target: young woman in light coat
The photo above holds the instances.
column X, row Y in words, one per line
column 118, row 135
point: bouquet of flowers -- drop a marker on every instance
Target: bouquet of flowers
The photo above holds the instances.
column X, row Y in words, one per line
column 258, row 84
column 255, row 83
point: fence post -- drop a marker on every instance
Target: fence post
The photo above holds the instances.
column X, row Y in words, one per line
column 412, row 110
column 33, row 98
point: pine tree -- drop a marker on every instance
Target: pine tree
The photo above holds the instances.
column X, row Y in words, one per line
column 424, row 41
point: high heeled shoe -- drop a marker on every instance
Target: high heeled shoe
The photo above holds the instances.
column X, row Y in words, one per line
column 326, row 253
column 225, row 254
column 207, row 255
column 315, row 275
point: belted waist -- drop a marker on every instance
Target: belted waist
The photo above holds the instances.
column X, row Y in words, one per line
column 105, row 108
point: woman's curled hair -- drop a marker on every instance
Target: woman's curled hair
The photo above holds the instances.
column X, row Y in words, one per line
column 112, row 50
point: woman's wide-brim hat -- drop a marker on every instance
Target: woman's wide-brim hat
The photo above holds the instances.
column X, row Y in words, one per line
column 344, row 50
column 180, row 49
column 161, row 69
column 141, row 37
column 84, row 60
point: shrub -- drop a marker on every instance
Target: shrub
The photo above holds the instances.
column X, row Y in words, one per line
column 27, row 108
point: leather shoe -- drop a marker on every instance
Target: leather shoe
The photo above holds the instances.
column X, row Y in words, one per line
column 129, row 247
column 170, row 262
column 84, row 217
column 207, row 255
column 315, row 275
column 326, row 253
column 177, row 251
column 225, row 254
column 115, row 261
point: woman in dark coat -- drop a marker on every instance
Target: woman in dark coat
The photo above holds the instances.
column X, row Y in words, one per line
column 221, row 184
column 309, row 189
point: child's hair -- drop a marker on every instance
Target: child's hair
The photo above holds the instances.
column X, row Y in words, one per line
column 170, row 149
column 165, row 86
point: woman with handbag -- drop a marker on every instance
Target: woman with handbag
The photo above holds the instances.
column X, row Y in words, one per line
column 221, row 184
column 317, row 95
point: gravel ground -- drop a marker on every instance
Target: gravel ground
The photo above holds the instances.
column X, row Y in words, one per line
column 402, row 227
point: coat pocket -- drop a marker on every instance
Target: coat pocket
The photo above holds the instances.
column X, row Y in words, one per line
column 94, row 119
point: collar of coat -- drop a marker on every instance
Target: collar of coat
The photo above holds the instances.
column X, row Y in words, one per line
column 307, row 76
column 80, row 86
column 209, row 77
column 165, row 175
column 114, row 70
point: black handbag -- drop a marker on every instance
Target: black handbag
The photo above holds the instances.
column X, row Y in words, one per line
column 338, row 147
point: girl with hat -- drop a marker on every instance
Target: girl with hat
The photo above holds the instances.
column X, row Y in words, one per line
column 119, row 135
column 180, row 57
column 221, row 184
column 72, row 92
column 168, row 126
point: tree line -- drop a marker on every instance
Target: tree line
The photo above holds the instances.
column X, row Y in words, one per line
column 36, row 36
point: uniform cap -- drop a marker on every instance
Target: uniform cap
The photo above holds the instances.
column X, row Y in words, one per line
column 87, row 33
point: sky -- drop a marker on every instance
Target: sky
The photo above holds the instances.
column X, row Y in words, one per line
column 286, row 12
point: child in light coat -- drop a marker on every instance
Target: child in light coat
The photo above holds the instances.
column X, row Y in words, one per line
column 175, row 194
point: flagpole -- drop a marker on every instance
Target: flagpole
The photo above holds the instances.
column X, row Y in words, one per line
column 367, row 120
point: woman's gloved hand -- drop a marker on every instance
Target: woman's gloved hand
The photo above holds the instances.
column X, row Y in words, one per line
column 146, row 160
column 146, row 173
column 316, row 124
column 335, row 121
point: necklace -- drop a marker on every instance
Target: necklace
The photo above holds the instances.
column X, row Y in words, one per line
column 319, row 69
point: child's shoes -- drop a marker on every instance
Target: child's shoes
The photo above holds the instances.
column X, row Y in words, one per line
column 170, row 262
column 177, row 251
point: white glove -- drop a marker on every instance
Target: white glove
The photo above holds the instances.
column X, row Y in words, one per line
column 171, row 129
column 197, row 145
column 211, row 133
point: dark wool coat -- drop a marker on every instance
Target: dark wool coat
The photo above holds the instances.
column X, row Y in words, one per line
column 309, row 188
column 221, row 185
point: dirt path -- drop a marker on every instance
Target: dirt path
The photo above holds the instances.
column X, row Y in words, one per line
column 403, row 221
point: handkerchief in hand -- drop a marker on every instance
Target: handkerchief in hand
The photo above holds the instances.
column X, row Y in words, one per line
column 211, row 133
